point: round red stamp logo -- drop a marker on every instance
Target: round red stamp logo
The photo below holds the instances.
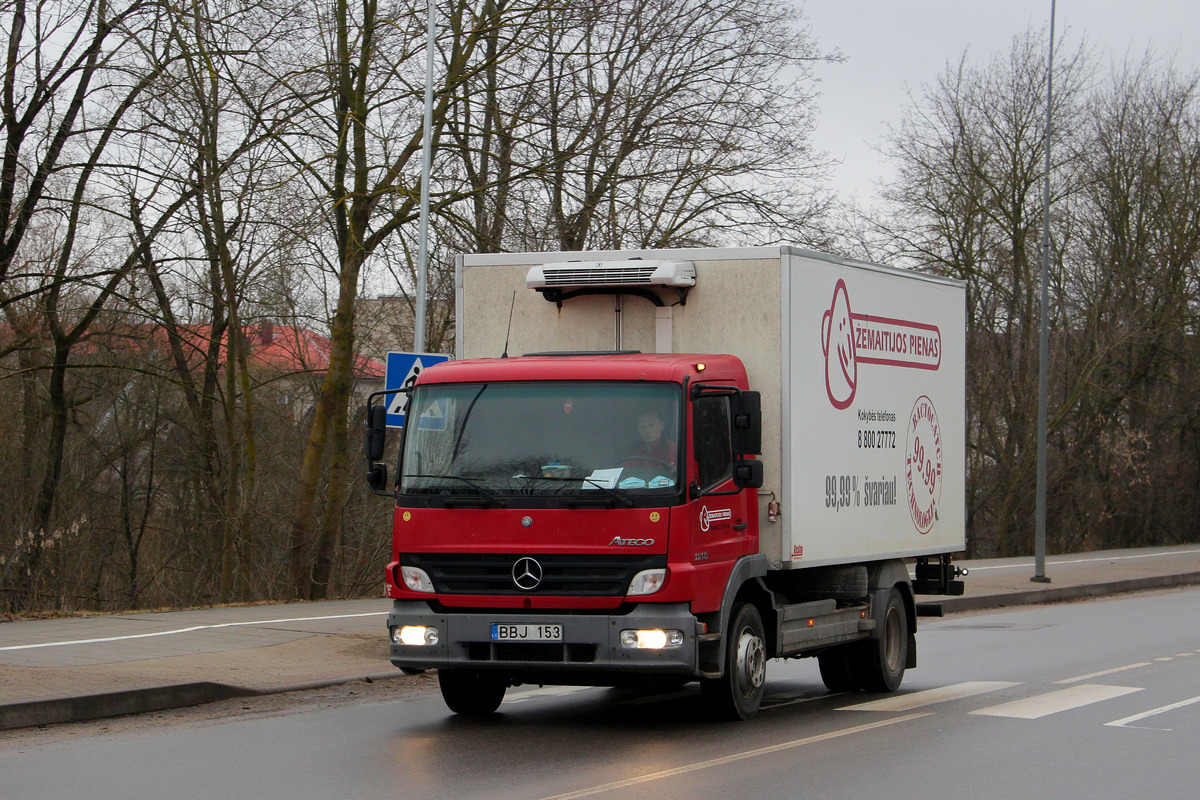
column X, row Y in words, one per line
column 923, row 464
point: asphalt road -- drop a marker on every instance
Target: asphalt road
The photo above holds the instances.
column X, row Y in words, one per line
column 1097, row 699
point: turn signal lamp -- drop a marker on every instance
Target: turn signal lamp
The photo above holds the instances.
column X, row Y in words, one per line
column 416, row 579
column 646, row 582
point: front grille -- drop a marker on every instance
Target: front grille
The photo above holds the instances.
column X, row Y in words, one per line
column 492, row 574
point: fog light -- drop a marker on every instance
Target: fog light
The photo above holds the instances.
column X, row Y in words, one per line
column 415, row 635
column 652, row 639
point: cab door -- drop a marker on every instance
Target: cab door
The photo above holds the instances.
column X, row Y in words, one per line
column 719, row 512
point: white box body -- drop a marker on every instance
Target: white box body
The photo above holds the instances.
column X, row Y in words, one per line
column 862, row 370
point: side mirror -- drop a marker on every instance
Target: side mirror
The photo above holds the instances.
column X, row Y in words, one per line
column 748, row 473
column 377, row 477
column 376, row 432
column 746, row 423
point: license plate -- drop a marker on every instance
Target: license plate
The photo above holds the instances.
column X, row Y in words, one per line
column 520, row 632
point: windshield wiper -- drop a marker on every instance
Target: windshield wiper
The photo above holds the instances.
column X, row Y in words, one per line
column 620, row 498
column 483, row 490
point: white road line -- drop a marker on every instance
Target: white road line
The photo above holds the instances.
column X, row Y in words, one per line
column 1102, row 673
column 192, row 629
column 717, row 762
column 907, row 702
column 1125, row 723
column 1055, row 562
column 1184, row 655
column 1043, row 705
column 1168, row 658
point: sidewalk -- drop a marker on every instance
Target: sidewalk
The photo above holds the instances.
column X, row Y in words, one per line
column 65, row 670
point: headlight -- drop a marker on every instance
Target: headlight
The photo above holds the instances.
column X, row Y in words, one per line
column 415, row 635
column 651, row 639
column 647, row 582
column 416, row 579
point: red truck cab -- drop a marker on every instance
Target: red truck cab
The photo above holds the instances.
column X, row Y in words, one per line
column 572, row 518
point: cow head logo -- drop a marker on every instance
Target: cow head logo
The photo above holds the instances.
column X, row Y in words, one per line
column 837, row 343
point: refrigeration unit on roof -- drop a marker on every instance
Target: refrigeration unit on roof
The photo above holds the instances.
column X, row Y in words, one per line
column 611, row 274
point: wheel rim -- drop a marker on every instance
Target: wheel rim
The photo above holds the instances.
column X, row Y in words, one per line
column 892, row 643
column 751, row 663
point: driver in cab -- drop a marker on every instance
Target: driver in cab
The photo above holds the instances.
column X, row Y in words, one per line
column 654, row 455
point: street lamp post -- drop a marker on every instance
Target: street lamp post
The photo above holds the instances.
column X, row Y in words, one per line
column 1039, row 568
column 426, row 166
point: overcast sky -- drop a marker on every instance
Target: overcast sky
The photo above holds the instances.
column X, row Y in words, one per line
column 890, row 45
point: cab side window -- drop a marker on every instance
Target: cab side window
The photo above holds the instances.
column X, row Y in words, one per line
column 710, row 429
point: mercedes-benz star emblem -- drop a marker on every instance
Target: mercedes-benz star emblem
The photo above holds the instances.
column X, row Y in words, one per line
column 527, row 574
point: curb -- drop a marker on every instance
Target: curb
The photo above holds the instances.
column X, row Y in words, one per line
column 159, row 698
column 326, row 683
column 1046, row 594
column 116, row 704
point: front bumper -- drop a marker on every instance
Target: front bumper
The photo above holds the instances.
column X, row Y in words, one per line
column 590, row 652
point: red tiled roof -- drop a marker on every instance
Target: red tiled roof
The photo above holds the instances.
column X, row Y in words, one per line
column 272, row 347
column 291, row 349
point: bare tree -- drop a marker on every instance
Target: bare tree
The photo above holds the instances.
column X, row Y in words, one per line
column 968, row 198
column 68, row 84
column 645, row 123
column 1132, row 313
column 361, row 164
column 1122, row 451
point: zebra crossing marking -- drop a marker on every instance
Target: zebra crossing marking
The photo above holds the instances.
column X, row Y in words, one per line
column 1044, row 705
column 927, row 697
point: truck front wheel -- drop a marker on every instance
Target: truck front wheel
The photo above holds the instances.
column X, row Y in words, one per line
column 470, row 693
column 738, row 693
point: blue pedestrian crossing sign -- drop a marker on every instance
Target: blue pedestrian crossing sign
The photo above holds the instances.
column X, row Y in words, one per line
column 403, row 368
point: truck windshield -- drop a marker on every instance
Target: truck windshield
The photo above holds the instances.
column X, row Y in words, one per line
column 601, row 441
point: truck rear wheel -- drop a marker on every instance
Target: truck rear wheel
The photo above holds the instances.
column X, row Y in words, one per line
column 738, row 693
column 470, row 693
column 836, row 669
column 878, row 664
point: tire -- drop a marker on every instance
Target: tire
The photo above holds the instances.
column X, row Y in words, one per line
column 470, row 693
column 836, row 672
column 738, row 693
column 878, row 664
